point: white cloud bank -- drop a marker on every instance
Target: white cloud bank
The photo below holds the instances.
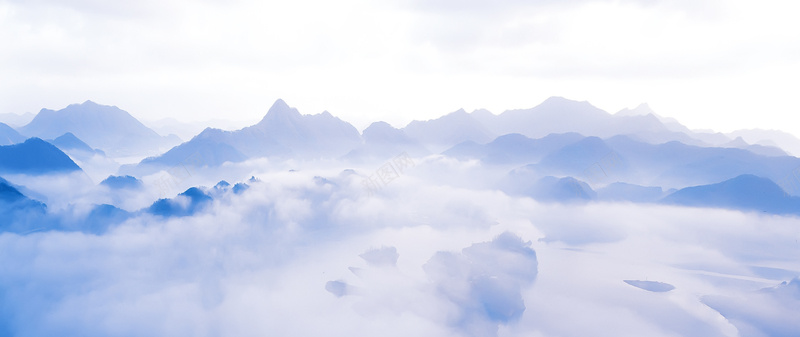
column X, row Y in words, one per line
column 420, row 257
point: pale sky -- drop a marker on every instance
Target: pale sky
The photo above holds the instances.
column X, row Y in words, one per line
column 711, row 64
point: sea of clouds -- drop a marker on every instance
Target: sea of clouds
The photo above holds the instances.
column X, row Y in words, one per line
column 315, row 250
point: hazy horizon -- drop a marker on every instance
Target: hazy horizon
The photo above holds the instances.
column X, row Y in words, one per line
column 710, row 64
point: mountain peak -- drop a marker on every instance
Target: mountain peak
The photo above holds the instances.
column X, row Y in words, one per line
column 279, row 106
column 382, row 132
column 559, row 105
column 280, row 109
column 641, row 110
column 557, row 99
column 35, row 156
column 85, row 104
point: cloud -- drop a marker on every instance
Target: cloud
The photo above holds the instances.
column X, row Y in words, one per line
column 768, row 312
column 310, row 252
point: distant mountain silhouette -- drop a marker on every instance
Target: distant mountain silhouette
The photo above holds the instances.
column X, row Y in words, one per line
column 122, row 182
column 589, row 157
column 102, row 218
column 282, row 133
column 668, row 165
column 320, row 135
column 16, row 120
column 35, row 156
column 200, row 151
column 770, row 138
column 69, row 143
column 629, row 192
column 512, row 148
column 675, row 164
column 561, row 115
column 745, row 192
column 444, row 132
column 18, row 212
column 552, row 189
column 381, row 141
column 194, row 201
column 9, row 136
column 108, row 128
column 554, row 115
column 526, row 182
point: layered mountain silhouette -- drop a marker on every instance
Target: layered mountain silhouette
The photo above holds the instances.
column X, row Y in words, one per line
column 122, row 182
column 515, row 136
column 746, row 192
column 35, row 156
column 512, row 148
column 187, row 203
column 18, row 211
column 633, row 155
column 9, row 136
column 769, row 138
column 108, row 128
column 451, row 129
column 282, row 133
column 619, row 191
column 74, row 146
column 381, row 141
column 15, row 120
column 548, row 188
column 672, row 164
column 558, row 115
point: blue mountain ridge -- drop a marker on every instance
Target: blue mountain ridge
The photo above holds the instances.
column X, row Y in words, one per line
column 35, row 156
column 18, row 211
column 108, row 128
column 671, row 164
column 283, row 133
column 122, row 182
column 512, row 148
column 9, row 136
column 68, row 141
column 197, row 200
column 746, row 193
column 381, row 141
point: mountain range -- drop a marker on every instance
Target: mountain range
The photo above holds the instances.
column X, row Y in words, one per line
column 745, row 192
column 282, row 133
column 9, row 136
column 108, row 128
column 35, row 156
column 16, row 120
column 17, row 210
column 633, row 155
